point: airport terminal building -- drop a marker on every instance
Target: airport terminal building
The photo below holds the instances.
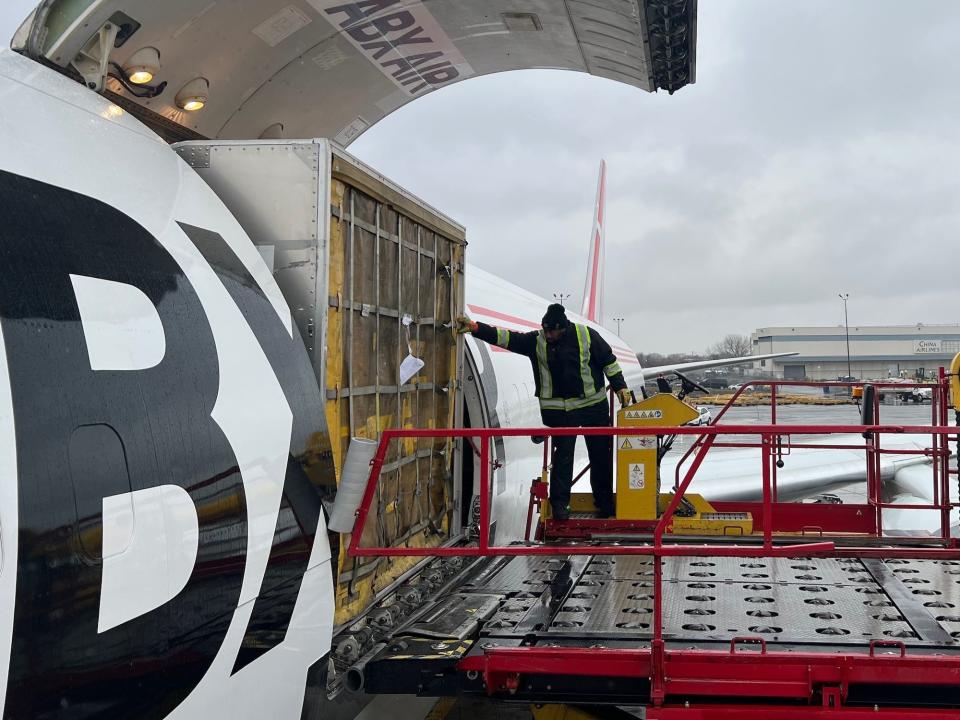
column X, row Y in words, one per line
column 875, row 351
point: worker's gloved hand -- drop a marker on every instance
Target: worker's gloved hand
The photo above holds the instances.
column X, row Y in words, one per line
column 465, row 325
column 626, row 397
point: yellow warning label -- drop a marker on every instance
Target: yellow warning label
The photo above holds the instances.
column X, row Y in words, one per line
column 637, row 442
column 661, row 409
column 644, row 414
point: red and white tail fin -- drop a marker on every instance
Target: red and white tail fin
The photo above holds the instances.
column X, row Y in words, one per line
column 592, row 308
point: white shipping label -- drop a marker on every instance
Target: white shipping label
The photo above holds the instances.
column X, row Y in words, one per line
column 277, row 28
column 637, row 476
column 410, row 366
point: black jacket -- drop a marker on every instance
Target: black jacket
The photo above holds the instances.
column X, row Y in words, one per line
column 574, row 378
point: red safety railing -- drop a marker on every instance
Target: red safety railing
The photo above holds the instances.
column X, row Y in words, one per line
column 695, row 671
column 658, row 549
column 939, row 450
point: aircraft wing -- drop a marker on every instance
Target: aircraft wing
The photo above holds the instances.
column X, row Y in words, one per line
column 650, row 372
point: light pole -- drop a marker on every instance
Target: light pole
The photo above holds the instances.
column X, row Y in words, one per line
column 846, row 327
column 560, row 296
column 618, row 320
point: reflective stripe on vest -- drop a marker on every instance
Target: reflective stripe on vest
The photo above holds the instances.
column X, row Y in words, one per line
column 612, row 369
column 586, row 375
column 546, row 380
column 503, row 338
column 573, row 403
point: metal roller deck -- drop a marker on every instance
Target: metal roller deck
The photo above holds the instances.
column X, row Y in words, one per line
column 788, row 601
column 742, row 609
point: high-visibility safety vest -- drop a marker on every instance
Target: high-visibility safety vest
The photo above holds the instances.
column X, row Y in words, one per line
column 534, row 345
column 592, row 394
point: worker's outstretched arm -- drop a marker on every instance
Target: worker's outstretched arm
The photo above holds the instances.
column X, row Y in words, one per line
column 524, row 343
column 602, row 354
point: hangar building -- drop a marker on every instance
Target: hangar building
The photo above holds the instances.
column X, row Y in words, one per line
column 875, row 351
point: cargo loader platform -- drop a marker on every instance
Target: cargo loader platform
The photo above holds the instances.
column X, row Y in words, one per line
column 580, row 630
column 810, row 611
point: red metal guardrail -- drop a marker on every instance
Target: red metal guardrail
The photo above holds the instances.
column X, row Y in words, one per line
column 788, row 676
column 939, row 451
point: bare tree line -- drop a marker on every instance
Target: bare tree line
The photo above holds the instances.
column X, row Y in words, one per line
column 729, row 346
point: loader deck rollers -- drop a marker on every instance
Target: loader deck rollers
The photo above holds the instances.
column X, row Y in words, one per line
column 482, row 633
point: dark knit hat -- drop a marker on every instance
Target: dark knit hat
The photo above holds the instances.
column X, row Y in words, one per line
column 556, row 318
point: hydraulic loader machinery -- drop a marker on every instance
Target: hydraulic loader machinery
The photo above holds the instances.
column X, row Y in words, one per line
column 638, row 461
column 638, row 495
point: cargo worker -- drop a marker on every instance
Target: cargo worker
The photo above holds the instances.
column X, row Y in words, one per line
column 569, row 364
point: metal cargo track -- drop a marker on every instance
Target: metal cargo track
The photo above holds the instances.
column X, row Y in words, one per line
column 786, row 600
column 607, row 602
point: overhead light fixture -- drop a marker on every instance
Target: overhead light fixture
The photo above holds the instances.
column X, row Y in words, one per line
column 142, row 66
column 193, row 95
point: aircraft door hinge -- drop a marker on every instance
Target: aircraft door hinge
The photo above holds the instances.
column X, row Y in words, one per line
column 92, row 61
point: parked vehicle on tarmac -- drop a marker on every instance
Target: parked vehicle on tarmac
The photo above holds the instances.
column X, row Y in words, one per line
column 714, row 383
column 704, row 417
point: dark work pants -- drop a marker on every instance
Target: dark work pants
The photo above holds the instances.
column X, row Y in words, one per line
column 599, row 449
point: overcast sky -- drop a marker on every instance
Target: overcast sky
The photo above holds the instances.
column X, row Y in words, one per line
column 818, row 152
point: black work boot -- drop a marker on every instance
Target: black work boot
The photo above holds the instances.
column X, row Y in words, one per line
column 605, row 512
column 559, row 511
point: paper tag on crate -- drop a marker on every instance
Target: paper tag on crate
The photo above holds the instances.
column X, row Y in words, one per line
column 409, row 367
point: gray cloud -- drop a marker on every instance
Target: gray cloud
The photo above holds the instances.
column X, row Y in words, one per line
column 815, row 154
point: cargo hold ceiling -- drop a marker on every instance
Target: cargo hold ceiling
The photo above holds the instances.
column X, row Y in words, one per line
column 332, row 68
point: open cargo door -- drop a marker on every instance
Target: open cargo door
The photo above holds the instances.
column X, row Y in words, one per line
column 371, row 274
